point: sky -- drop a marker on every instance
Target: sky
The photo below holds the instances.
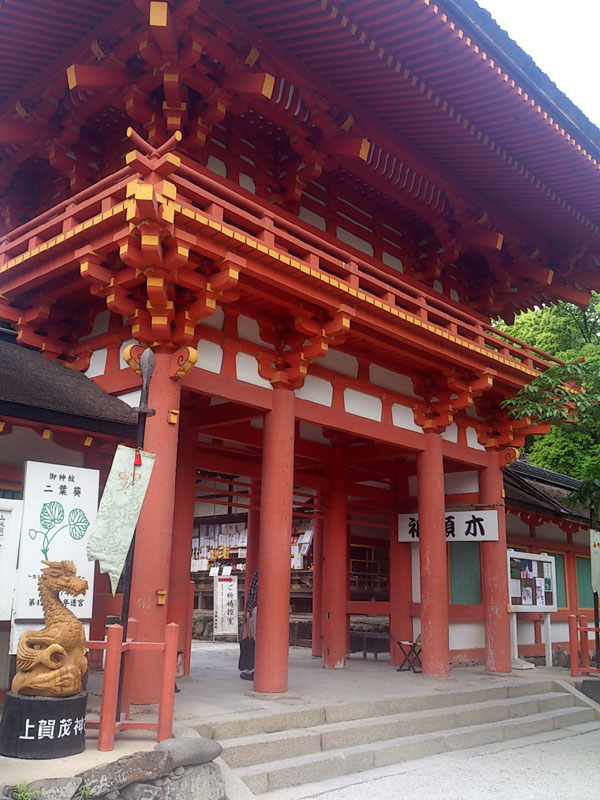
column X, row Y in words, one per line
column 562, row 37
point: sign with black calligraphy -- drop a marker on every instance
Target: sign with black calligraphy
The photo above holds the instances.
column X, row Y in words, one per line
column 461, row 526
column 10, row 526
column 225, row 605
column 59, row 505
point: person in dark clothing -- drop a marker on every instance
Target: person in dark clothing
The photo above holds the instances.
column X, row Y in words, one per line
column 250, row 619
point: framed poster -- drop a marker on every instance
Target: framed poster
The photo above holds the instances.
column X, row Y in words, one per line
column 10, row 528
column 59, row 506
column 531, row 582
column 461, row 526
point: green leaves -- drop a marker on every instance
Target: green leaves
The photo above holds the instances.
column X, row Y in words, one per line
column 78, row 524
column 51, row 514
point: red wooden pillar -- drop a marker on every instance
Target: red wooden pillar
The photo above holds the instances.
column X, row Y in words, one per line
column 272, row 635
column 335, row 563
column 495, row 577
column 183, row 524
column 252, row 546
column 317, row 591
column 433, row 558
column 150, row 583
column 400, row 576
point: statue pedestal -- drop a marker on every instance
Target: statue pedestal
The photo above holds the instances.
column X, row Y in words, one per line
column 42, row 727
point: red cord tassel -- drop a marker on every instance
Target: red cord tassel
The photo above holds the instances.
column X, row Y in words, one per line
column 137, row 461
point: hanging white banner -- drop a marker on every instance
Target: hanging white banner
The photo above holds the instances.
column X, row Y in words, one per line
column 595, row 559
column 10, row 528
column 461, row 526
column 119, row 510
column 225, row 605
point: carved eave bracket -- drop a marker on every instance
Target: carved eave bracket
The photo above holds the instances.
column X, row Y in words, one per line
column 297, row 341
column 441, row 402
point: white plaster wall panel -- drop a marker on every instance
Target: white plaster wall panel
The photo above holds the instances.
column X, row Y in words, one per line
column 217, row 166
column 246, row 367
column 403, row 417
column 362, row 405
column 416, row 628
column 415, row 563
column 548, row 530
column 316, row 390
column 247, row 183
column 560, row 631
column 100, row 324
column 249, row 330
column 472, row 440
column 313, row 219
column 582, row 537
column 466, row 635
column 206, row 509
column 451, row 433
column 516, row 525
column 437, row 285
column 97, row 363
column 471, row 411
column 4, row 668
column 216, row 319
column 257, row 423
column 131, row 398
column 461, row 482
column 210, row 356
column 392, row 261
column 354, row 241
column 454, row 295
column 413, row 486
column 389, row 379
column 525, row 632
column 125, row 344
column 312, row 433
column 24, row 444
column 339, row 362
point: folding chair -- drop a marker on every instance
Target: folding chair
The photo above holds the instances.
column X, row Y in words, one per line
column 411, row 652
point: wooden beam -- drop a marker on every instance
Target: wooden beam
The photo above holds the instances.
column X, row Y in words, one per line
column 22, row 132
column 227, row 413
column 254, row 84
column 83, row 76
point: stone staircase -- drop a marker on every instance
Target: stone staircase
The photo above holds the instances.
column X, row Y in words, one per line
column 273, row 753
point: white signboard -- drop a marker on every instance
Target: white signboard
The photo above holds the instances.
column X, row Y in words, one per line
column 59, row 506
column 10, row 527
column 595, row 559
column 225, row 605
column 461, row 526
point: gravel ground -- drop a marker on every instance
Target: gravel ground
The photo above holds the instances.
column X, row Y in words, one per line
column 568, row 767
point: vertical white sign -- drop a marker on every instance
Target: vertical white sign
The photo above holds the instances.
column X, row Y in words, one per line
column 59, row 506
column 225, row 605
column 10, row 527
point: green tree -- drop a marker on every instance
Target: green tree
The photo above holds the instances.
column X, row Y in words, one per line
column 569, row 333
column 573, row 335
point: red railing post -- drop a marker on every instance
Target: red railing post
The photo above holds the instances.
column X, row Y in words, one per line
column 584, row 643
column 110, row 687
column 187, row 655
column 573, row 648
column 167, row 688
column 132, row 627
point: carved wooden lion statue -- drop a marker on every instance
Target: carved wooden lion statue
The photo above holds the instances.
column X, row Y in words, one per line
column 51, row 662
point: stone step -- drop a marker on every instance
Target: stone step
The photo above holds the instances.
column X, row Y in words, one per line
column 324, row 765
column 247, row 750
column 254, row 724
column 309, row 791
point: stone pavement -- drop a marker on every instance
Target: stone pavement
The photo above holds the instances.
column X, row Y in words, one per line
column 215, row 693
column 541, row 770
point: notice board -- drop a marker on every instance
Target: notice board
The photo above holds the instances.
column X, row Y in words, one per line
column 531, row 582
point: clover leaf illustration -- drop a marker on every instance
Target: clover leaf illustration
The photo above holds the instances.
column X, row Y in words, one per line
column 51, row 516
